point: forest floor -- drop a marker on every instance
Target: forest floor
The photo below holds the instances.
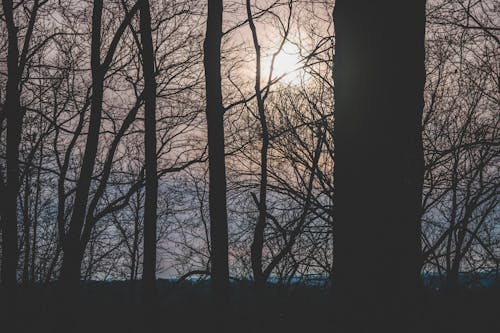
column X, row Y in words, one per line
column 111, row 307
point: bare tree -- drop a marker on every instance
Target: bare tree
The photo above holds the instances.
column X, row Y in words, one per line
column 75, row 243
column 13, row 112
column 461, row 142
column 151, row 195
column 13, row 115
column 216, row 158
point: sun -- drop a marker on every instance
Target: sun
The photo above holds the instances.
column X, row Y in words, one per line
column 287, row 65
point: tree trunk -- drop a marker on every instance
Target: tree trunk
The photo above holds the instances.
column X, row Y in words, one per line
column 72, row 247
column 258, row 235
column 135, row 243
column 151, row 194
column 26, row 227
column 35, row 219
column 82, row 221
column 14, row 126
column 379, row 82
column 216, row 158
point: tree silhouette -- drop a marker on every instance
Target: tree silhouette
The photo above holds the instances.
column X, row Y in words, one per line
column 379, row 81
column 151, row 189
column 13, row 116
column 79, row 230
column 216, row 158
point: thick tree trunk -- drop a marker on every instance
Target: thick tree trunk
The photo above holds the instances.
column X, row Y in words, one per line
column 151, row 195
column 14, row 126
column 379, row 81
column 216, row 158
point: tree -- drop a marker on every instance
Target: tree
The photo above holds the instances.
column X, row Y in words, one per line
column 216, row 156
column 13, row 115
column 260, row 274
column 79, row 230
column 151, row 189
column 12, row 110
column 460, row 204
column 273, row 174
column 379, row 80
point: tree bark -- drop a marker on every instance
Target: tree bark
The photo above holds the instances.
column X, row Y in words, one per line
column 14, row 117
column 151, row 190
column 14, row 127
column 379, row 82
column 216, row 155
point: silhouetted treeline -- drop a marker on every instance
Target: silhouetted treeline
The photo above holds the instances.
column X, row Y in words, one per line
column 185, row 139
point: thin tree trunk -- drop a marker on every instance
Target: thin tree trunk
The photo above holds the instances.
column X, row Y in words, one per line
column 151, row 189
column 26, row 227
column 53, row 263
column 36, row 209
column 259, row 272
column 134, row 266
column 216, row 155
column 134, row 258
column 379, row 81
column 258, row 235
column 35, row 218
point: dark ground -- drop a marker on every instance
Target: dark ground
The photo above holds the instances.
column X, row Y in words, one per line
column 111, row 307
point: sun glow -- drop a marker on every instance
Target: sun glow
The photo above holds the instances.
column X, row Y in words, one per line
column 286, row 66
